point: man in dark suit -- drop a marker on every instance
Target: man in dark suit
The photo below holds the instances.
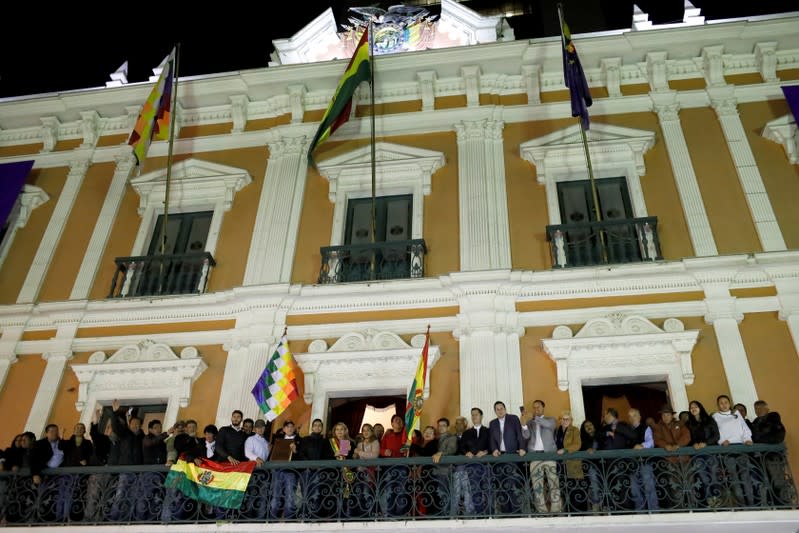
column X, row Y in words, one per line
column 474, row 444
column 505, row 437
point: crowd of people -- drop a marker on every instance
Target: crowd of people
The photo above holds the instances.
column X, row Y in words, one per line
column 555, row 486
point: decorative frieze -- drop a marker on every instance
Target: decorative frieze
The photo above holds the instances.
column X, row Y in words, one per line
column 238, row 111
column 471, row 82
column 49, row 133
column 611, row 72
column 531, row 76
column 296, row 102
column 713, row 65
column 427, row 88
column 766, row 60
column 656, row 71
column 783, row 131
column 89, row 126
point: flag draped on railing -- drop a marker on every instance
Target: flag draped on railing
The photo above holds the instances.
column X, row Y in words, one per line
column 338, row 111
column 219, row 484
column 277, row 387
column 574, row 77
column 155, row 116
column 791, row 93
column 413, row 409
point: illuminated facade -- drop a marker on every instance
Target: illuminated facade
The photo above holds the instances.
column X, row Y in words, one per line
column 486, row 232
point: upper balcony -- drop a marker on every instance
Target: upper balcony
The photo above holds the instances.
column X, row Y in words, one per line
column 608, row 242
column 378, row 261
column 161, row 275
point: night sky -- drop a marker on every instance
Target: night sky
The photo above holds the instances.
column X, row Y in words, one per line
column 78, row 48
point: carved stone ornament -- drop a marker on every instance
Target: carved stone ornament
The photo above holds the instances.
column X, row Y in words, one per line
column 362, row 364
column 146, row 371
column 621, row 348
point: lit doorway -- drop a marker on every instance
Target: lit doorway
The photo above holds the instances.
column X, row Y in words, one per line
column 646, row 397
column 356, row 411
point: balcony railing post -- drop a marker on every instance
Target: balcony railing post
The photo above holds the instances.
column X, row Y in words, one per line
column 559, row 248
column 131, row 270
column 377, row 261
column 608, row 242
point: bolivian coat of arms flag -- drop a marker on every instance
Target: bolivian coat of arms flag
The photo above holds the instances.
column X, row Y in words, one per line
column 219, row 484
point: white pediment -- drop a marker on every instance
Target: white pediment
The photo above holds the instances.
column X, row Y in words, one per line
column 146, row 371
column 783, row 131
column 611, row 148
column 395, row 164
column 372, row 363
column 193, row 183
column 621, row 348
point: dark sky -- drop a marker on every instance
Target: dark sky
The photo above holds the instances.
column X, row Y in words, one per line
column 79, row 47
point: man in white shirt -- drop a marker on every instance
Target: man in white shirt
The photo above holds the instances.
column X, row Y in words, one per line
column 256, row 447
column 733, row 430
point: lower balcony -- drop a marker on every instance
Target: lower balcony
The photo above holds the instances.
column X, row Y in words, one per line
column 630, row 240
column 160, row 275
column 367, row 262
column 574, row 488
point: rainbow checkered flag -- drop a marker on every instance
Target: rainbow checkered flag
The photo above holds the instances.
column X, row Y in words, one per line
column 277, row 386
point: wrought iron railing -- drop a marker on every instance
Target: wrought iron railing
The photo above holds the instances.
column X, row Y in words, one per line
column 152, row 275
column 612, row 482
column 364, row 262
column 629, row 240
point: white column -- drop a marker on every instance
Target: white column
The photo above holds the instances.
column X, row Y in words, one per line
column 47, row 246
column 490, row 359
column 724, row 316
column 483, row 202
column 768, row 230
column 59, row 352
column 8, row 355
column 788, row 296
column 102, row 228
column 245, row 363
column 277, row 222
column 667, row 108
column 31, row 198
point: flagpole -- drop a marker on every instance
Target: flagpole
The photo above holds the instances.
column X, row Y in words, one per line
column 174, row 110
column 372, row 140
column 595, row 196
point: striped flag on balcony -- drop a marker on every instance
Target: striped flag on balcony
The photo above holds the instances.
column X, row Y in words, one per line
column 219, row 484
column 277, row 387
column 413, row 409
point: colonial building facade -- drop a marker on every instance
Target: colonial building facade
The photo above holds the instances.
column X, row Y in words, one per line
column 486, row 232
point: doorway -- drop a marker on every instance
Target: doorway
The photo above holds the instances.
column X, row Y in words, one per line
column 646, row 397
column 355, row 411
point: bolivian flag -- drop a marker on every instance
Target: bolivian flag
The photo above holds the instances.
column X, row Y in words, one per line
column 413, row 409
column 219, row 484
column 358, row 70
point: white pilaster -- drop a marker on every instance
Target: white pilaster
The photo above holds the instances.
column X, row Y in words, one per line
column 768, row 230
column 102, row 228
column 47, row 246
column 667, row 108
column 56, row 358
column 8, row 356
column 788, row 296
column 30, row 198
column 483, row 203
column 490, row 362
column 725, row 317
column 277, row 222
column 245, row 363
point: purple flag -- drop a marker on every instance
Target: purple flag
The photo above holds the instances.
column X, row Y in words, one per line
column 574, row 77
column 12, row 178
column 792, row 96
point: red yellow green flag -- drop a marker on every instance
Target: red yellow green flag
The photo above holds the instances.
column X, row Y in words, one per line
column 358, row 70
column 155, row 116
column 219, row 484
column 413, row 409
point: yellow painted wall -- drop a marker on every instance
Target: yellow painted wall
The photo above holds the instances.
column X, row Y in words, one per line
column 441, row 225
column 112, row 140
column 266, row 123
column 448, row 102
column 389, row 108
column 205, row 130
column 206, row 390
column 67, row 144
column 68, row 255
column 788, row 74
column 635, row 88
column 26, row 240
column 775, row 369
column 445, row 379
column 20, row 149
column 780, row 177
column 749, row 78
column 527, row 199
column 16, row 396
column 63, row 413
column 691, row 84
column 120, row 243
column 710, row 379
column 724, row 200
column 539, row 374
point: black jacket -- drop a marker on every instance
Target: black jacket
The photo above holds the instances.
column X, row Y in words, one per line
column 185, row 443
column 230, row 442
column 768, row 429
column 129, row 445
column 624, row 436
column 153, row 449
column 74, row 454
column 314, row 448
column 471, row 442
column 41, row 453
column 707, row 432
column 101, row 445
